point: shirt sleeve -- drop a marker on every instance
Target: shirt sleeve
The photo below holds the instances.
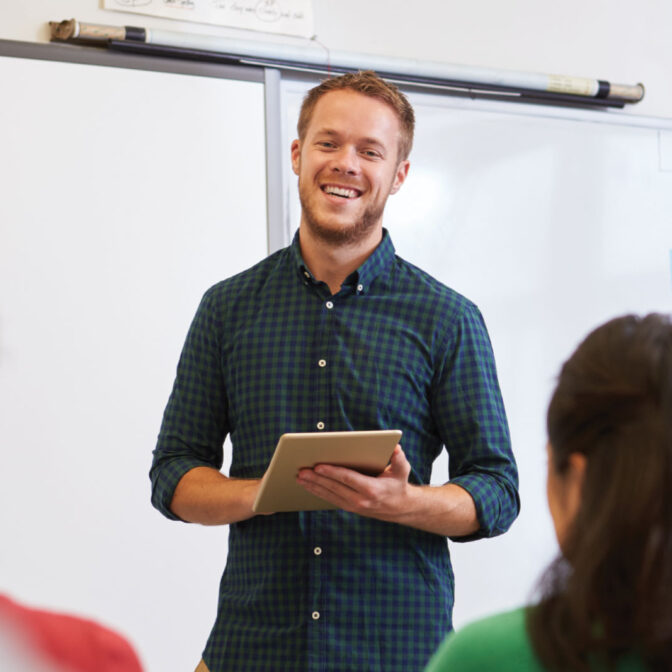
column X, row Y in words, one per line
column 472, row 423
column 195, row 420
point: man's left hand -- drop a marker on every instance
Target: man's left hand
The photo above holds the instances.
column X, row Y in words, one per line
column 381, row 496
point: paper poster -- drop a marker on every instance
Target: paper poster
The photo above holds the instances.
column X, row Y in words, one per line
column 287, row 17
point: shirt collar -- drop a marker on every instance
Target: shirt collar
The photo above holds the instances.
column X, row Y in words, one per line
column 376, row 264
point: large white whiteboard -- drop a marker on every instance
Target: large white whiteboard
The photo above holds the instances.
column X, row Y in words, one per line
column 551, row 221
column 124, row 195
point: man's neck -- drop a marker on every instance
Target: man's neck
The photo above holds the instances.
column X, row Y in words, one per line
column 331, row 263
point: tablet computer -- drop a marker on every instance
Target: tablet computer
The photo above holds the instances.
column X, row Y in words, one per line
column 368, row 452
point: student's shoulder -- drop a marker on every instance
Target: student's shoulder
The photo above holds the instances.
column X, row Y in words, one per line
column 498, row 643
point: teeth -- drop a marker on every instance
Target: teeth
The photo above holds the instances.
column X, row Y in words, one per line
column 340, row 191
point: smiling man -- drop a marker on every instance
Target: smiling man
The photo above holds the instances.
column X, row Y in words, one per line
column 335, row 333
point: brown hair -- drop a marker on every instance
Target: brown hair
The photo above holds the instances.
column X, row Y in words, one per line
column 611, row 595
column 369, row 84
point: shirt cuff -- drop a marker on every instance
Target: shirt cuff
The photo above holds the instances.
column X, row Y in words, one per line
column 486, row 496
column 165, row 478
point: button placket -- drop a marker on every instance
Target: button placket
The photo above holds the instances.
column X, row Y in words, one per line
column 322, row 353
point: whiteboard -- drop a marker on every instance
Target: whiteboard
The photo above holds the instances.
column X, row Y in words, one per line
column 125, row 194
column 551, row 221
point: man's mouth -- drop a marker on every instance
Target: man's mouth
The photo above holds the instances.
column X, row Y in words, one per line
column 343, row 192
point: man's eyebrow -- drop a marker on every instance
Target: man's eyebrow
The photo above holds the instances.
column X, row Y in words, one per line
column 363, row 141
column 374, row 141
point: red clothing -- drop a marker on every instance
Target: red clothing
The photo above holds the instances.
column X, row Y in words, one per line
column 73, row 644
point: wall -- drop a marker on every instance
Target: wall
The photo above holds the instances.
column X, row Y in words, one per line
column 617, row 40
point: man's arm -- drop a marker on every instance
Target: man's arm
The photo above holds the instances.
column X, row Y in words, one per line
column 448, row 509
column 481, row 499
column 186, row 481
column 204, row 495
column 471, row 420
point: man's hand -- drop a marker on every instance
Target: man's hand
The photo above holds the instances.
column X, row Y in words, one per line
column 381, row 496
column 448, row 509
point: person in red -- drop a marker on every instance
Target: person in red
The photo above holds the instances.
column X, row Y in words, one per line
column 37, row 640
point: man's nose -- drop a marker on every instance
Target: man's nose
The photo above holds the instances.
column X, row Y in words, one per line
column 345, row 160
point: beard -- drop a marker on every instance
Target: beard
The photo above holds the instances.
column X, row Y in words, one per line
column 339, row 234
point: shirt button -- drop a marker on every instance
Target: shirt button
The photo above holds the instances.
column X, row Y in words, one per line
column 315, row 615
column 329, row 305
column 317, row 550
column 360, row 288
column 306, row 274
column 320, row 425
column 322, row 363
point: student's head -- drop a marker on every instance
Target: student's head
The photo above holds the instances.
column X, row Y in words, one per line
column 368, row 84
column 610, row 494
column 353, row 132
column 609, row 427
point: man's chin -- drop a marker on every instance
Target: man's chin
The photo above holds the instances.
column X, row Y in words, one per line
column 339, row 232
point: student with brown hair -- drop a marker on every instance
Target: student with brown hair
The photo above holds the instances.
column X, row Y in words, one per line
column 607, row 601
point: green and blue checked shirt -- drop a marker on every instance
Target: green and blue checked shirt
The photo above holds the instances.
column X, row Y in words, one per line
column 271, row 351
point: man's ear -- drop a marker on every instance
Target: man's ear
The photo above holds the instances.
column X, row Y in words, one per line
column 296, row 156
column 400, row 176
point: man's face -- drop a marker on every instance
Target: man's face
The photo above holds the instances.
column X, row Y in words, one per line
column 347, row 165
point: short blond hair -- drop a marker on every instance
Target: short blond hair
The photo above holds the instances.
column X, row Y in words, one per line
column 369, row 84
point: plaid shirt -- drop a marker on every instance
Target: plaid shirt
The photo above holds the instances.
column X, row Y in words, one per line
column 330, row 590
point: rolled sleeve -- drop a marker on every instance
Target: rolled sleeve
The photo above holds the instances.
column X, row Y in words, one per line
column 473, row 426
column 195, row 420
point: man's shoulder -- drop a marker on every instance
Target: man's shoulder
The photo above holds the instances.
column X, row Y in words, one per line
column 499, row 642
column 415, row 280
column 255, row 276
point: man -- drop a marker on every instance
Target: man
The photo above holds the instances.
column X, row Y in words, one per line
column 337, row 333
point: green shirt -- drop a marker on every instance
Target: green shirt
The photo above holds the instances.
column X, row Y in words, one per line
column 498, row 643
